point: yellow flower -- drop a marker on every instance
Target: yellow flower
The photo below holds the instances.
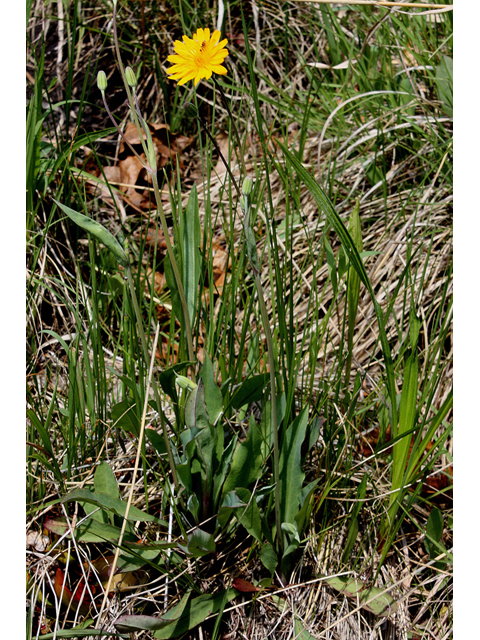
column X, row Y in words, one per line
column 198, row 57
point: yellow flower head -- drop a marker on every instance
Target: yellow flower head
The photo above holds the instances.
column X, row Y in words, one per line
column 198, row 57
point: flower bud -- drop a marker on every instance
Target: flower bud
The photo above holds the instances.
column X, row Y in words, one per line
column 185, row 383
column 190, row 110
column 247, row 186
column 131, row 77
column 102, row 81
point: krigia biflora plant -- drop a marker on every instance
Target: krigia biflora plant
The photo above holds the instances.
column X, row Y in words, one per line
column 212, row 472
column 221, row 480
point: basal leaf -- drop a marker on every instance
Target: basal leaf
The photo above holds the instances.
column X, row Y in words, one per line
column 97, row 230
column 251, row 390
column 105, row 481
column 196, row 611
column 373, row 599
column 111, row 504
column 213, row 395
column 291, row 472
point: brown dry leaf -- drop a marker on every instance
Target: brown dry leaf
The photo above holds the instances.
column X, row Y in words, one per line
column 158, row 278
column 246, row 587
column 38, row 541
column 79, row 599
column 130, row 170
column 112, row 175
column 155, row 235
column 131, row 174
column 164, row 354
column 221, row 264
column 223, row 144
column 120, row 581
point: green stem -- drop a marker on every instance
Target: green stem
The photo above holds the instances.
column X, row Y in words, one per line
column 143, row 341
column 176, row 272
column 252, row 257
column 271, row 364
column 131, row 101
column 142, row 127
column 240, row 158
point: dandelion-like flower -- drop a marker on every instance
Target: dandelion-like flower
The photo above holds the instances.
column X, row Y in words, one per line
column 198, row 57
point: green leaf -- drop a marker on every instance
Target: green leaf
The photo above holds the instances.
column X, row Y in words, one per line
column 124, row 416
column 444, row 80
column 331, row 265
column 269, row 557
column 131, row 623
column 191, row 256
column 110, row 504
column 199, row 543
column 167, row 380
column 99, row 515
column 79, row 632
column 356, row 262
column 407, row 415
column 300, row 632
column 141, row 555
column 172, row 285
column 213, row 395
column 43, row 433
column 250, row 517
column 251, row 390
column 157, row 441
column 292, row 538
column 290, row 468
column 230, row 502
column 247, row 463
column 98, row 231
column 194, row 613
column 105, row 482
column 224, row 459
column 88, row 531
column 306, row 504
column 195, row 397
column 372, row 599
column 434, row 532
column 353, row 287
column 353, row 528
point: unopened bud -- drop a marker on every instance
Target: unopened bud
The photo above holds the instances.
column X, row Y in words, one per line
column 131, row 77
column 185, row 383
column 102, row 81
column 190, row 109
column 247, row 186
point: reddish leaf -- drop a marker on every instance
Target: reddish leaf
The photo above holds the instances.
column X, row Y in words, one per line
column 246, row 587
column 69, row 598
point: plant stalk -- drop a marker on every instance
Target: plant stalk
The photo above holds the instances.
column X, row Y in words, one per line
column 143, row 341
column 151, row 167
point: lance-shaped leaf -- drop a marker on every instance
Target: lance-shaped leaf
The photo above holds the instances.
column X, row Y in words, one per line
column 110, row 504
column 191, row 236
column 355, row 261
column 97, row 230
column 373, row 599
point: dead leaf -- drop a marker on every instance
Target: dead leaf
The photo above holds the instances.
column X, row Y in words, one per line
column 79, row 599
column 245, row 587
column 130, row 174
column 37, row 541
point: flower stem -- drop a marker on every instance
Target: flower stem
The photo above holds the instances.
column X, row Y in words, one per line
column 176, row 272
column 151, row 168
column 240, row 158
column 252, row 257
column 271, row 364
column 143, row 341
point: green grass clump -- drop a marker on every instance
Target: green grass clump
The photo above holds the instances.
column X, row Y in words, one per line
column 239, row 351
